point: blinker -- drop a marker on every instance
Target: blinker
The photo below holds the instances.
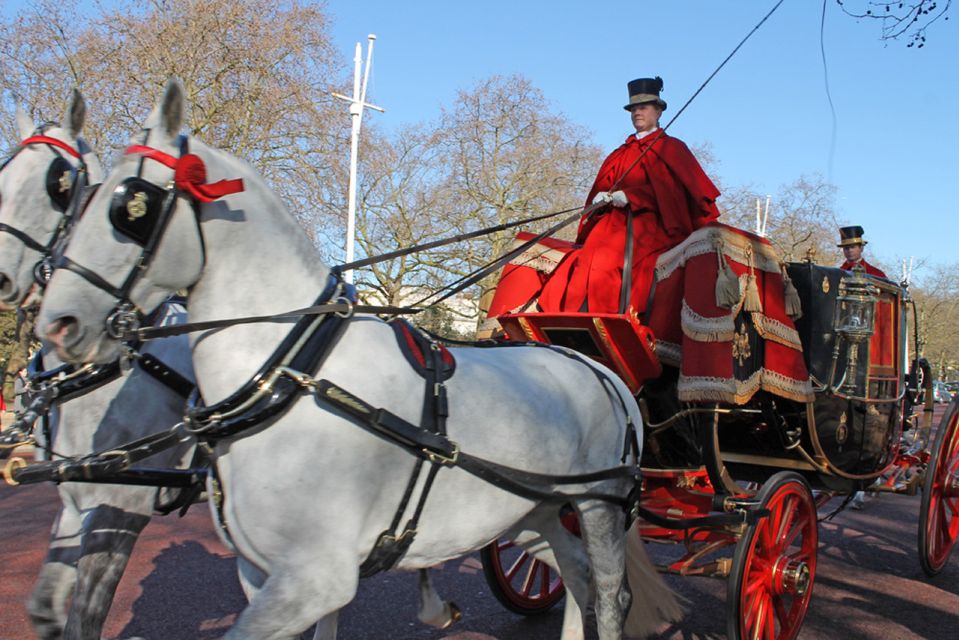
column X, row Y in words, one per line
column 136, row 208
column 60, row 179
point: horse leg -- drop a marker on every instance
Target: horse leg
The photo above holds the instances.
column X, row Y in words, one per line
column 47, row 606
column 294, row 597
column 603, row 528
column 547, row 540
column 48, row 601
column 326, row 627
column 108, row 539
column 433, row 610
column 251, row 578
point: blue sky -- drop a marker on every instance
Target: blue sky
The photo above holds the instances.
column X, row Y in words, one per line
column 766, row 114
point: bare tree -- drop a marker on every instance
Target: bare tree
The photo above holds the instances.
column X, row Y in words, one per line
column 257, row 72
column 937, row 304
column 907, row 20
column 508, row 157
column 802, row 219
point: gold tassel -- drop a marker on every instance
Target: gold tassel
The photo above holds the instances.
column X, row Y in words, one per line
column 793, row 303
column 728, row 292
column 752, row 303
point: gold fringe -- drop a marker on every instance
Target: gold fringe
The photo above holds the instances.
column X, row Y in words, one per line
column 752, row 301
column 775, row 331
column 728, row 291
column 703, row 329
column 793, row 303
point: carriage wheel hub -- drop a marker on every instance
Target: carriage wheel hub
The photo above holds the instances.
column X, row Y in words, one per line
column 793, row 576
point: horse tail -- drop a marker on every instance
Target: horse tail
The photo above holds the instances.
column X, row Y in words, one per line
column 653, row 602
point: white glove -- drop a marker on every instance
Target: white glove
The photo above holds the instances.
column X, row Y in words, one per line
column 602, row 197
column 618, row 199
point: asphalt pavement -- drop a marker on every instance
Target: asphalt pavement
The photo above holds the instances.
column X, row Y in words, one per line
column 181, row 584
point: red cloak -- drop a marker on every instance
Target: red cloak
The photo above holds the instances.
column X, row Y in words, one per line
column 670, row 196
column 871, row 270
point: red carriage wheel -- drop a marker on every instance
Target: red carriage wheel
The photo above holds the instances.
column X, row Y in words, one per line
column 938, row 521
column 774, row 564
column 520, row 582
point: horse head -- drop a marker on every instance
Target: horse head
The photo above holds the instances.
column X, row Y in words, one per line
column 149, row 231
column 41, row 186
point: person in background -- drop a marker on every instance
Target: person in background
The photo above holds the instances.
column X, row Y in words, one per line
column 654, row 194
column 852, row 245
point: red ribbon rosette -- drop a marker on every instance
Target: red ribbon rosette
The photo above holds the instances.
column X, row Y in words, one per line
column 190, row 176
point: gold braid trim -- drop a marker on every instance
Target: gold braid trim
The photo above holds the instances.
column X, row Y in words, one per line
column 798, row 390
column 537, row 257
column 708, row 388
column 712, row 389
column 704, row 240
column 703, row 329
column 775, row 331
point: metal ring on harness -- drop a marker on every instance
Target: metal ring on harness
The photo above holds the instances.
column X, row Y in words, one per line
column 349, row 307
column 13, row 465
column 122, row 322
column 42, row 271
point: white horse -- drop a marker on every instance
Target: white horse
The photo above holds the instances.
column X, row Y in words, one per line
column 309, row 492
column 98, row 524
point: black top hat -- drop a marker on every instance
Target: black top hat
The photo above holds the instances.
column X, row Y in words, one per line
column 643, row 90
column 850, row 235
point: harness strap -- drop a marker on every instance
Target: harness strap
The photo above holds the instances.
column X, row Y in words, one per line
column 22, row 237
column 111, row 465
column 346, row 308
column 391, row 545
column 166, row 375
column 439, row 449
column 627, row 283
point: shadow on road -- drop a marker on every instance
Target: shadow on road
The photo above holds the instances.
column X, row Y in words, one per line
column 174, row 603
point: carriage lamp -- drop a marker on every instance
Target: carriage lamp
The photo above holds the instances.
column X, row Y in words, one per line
column 855, row 318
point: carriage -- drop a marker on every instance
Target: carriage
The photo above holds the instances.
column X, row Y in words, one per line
column 740, row 453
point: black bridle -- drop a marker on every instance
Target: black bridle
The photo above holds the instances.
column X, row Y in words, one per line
column 141, row 210
column 65, row 185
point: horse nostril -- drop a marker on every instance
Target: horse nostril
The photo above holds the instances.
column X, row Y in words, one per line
column 6, row 285
column 62, row 331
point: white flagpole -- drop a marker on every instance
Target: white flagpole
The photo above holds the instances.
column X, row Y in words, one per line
column 766, row 216
column 357, row 103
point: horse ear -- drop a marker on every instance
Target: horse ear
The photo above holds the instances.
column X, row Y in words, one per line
column 75, row 114
column 24, row 123
column 171, row 108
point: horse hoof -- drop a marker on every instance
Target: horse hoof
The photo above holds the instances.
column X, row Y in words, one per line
column 455, row 615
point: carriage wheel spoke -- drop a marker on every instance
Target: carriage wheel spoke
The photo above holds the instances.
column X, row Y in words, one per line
column 516, row 566
column 503, row 545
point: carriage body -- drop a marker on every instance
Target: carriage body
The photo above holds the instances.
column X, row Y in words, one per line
column 820, row 404
column 841, row 434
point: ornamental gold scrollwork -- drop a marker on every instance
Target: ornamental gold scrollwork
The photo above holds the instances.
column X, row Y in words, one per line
column 741, row 349
column 65, row 182
column 137, row 206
